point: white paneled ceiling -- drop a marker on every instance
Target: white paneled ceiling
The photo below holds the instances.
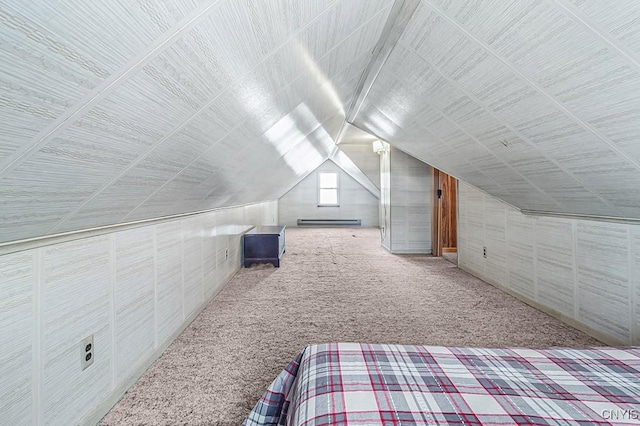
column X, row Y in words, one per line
column 358, row 146
column 120, row 111
column 536, row 102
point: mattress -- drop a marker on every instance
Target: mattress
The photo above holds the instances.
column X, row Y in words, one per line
column 367, row 384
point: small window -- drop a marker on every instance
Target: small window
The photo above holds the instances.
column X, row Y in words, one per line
column 328, row 189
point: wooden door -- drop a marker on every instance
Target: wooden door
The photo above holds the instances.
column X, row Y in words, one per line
column 444, row 230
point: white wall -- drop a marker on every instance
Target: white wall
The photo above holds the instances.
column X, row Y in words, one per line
column 134, row 290
column 584, row 272
column 363, row 156
column 406, row 203
column 301, row 202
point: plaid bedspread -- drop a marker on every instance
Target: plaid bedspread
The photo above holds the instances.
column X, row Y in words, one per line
column 362, row 384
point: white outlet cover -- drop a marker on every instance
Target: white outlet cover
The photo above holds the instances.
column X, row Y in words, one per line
column 87, row 352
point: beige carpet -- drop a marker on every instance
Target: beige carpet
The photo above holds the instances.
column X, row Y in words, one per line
column 333, row 285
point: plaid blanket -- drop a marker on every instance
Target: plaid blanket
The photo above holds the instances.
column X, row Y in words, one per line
column 362, row 384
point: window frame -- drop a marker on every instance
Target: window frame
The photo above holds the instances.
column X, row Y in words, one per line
column 336, row 188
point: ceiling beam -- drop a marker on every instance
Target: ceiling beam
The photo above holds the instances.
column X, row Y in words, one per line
column 399, row 17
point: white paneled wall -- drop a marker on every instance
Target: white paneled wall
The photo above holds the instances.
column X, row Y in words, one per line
column 410, row 183
column 192, row 266
column 17, row 334
column 604, row 288
column 76, row 292
column 520, row 253
column 555, row 264
column 169, row 284
column 585, row 272
column 301, row 202
column 134, row 298
column 133, row 290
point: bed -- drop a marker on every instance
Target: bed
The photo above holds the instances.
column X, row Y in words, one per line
column 367, row 384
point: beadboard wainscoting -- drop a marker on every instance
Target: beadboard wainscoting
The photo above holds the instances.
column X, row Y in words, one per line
column 134, row 290
column 584, row 272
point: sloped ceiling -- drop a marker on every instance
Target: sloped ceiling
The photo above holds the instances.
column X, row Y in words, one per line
column 358, row 146
column 535, row 102
column 119, row 111
column 353, row 135
column 344, row 161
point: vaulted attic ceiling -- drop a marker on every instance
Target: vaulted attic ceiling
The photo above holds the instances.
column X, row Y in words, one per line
column 120, row 111
column 358, row 146
column 535, row 102
column 126, row 110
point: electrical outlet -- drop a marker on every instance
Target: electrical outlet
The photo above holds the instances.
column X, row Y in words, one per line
column 226, row 254
column 87, row 352
column 484, row 252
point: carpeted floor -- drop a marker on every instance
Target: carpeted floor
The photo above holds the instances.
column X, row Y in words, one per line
column 333, row 285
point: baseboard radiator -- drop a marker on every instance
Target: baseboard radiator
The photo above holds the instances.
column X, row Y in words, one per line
column 329, row 222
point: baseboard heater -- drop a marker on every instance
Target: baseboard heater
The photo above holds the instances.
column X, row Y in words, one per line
column 329, row 222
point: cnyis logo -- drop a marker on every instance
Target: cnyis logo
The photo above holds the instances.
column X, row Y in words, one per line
column 620, row 414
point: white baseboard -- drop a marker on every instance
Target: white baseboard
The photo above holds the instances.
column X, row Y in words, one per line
column 410, row 251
